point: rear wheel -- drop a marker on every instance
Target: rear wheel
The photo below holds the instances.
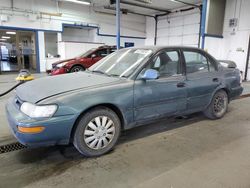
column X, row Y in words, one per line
column 97, row 132
column 218, row 107
column 76, row 68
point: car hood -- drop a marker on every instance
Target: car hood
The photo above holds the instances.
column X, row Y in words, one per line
column 62, row 61
column 37, row 90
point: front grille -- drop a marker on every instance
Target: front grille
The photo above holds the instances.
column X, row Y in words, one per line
column 11, row 147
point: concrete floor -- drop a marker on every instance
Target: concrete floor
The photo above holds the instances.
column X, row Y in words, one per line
column 193, row 152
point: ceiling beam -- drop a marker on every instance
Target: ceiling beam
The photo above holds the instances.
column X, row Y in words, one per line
column 145, row 6
column 128, row 11
column 183, row 2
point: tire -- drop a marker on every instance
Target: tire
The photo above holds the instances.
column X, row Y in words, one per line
column 92, row 140
column 218, row 107
column 76, row 68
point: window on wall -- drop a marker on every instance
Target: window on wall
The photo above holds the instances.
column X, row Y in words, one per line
column 196, row 62
column 51, row 49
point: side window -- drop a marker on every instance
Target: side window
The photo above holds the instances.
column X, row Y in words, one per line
column 102, row 53
column 166, row 63
column 195, row 62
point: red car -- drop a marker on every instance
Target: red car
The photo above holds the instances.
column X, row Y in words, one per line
column 81, row 62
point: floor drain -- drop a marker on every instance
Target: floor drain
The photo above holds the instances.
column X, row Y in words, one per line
column 11, row 147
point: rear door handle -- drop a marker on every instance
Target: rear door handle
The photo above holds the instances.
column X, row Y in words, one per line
column 215, row 79
column 181, row 84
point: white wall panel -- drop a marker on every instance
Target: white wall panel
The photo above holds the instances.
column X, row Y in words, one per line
column 192, row 19
column 164, row 41
column 176, row 21
column 190, row 40
column 150, row 31
column 234, row 45
column 175, row 31
column 163, row 32
column 175, row 41
column 180, row 28
column 191, row 29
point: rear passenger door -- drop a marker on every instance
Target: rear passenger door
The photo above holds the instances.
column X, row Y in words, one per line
column 202, row 79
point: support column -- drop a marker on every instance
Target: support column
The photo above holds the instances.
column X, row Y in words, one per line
column 40, row 52
column 118, row 32
column 203, row 23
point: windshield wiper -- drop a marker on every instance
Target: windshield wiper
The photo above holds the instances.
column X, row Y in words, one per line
column 98, row 71
column 116, row 75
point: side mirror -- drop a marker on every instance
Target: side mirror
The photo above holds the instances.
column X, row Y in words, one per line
column 228, row 64
column 93, row 56
column 232, row 65
column 150, row 74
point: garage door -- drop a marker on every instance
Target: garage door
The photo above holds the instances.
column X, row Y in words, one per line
column 181, row 28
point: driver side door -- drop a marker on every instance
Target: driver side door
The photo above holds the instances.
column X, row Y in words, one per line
column 164, row 96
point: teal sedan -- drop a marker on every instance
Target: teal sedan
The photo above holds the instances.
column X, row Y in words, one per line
column 128, row 88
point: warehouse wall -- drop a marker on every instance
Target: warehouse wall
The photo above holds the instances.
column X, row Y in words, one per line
column 234, row 44
column 33, row 14
column 77, row 35
column 180, row 28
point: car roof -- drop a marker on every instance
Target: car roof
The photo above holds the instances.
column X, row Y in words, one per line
column 157, row 48
column 106, row 46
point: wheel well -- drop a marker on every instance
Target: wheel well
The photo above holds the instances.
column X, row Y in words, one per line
column 77, row 65
column 107, row 105
column 227, row 91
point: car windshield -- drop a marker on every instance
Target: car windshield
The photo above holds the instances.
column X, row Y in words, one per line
column 121, row 63
column 87, row 53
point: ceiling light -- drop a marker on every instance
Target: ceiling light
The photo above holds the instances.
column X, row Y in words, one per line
column 5, row 37
column 78, row 2
column 11, row 32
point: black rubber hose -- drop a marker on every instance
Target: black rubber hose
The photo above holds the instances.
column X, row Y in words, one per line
column 6, row 92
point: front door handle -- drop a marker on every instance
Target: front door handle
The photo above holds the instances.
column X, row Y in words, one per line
column 215, row 79
column 181, row 84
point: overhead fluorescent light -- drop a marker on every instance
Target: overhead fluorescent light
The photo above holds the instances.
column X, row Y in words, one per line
column 5, row 37
column 11, row 32
column 78, row 2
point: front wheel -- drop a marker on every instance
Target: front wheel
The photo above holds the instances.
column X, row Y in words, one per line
column 97, row 132
column 76, row 68
column 218, row 107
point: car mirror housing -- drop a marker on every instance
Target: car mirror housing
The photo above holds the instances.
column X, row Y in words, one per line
column 228, row 64
column 232, row 65
column 150, row 74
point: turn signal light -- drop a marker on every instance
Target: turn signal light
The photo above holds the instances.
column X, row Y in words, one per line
column 30, row 129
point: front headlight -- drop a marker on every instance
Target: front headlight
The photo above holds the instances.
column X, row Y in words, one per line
column 61, row 64
column 35, row 111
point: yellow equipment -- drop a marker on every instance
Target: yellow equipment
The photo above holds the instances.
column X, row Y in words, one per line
column 24, row 75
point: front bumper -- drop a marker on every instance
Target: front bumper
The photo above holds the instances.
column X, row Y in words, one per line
column 236, row 92
column 57, row 129
column 57, row 71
